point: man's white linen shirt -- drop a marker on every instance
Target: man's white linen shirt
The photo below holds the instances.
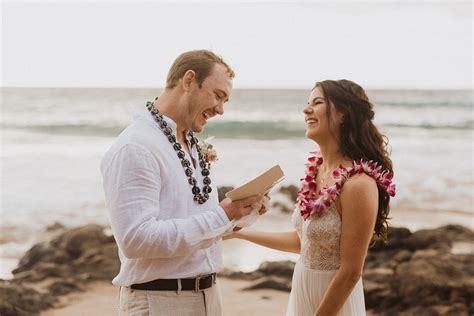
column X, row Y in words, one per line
column 159, row 229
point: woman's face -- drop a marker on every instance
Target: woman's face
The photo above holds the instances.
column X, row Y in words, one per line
column 317, row 126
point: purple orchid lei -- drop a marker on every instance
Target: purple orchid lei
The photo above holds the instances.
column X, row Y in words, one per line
column 309, row 201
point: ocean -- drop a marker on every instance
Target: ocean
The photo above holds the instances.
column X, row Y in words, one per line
column 53, row 139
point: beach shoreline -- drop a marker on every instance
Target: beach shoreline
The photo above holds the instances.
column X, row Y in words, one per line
column 14, row 242
column 70, row 273
column 13, row 248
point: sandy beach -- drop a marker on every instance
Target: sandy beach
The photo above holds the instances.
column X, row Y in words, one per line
column 101, row 298
column 426, row 272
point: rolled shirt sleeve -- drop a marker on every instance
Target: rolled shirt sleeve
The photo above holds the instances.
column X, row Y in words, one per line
column 132, row 185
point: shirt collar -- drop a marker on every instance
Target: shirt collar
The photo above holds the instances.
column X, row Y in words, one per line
column 171, row 123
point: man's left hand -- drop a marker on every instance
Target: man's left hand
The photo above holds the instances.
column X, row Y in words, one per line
column 263, row 205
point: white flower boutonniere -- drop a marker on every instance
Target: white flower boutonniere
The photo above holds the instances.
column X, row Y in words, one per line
column 208, row 150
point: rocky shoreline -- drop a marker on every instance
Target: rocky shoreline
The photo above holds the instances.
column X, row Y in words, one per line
column 418, row 273
column 64, row 262
column 413, row 274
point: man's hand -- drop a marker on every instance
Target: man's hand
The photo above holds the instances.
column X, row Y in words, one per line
column 240, row 208
column 263, row 205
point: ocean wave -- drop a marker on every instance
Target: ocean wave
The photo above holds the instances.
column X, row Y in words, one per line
column 70, row 129
column 226, row 129
column 466, row 125
column 426, row 104
column 232, row 129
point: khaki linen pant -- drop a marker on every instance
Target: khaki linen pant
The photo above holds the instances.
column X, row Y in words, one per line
column 207, row 302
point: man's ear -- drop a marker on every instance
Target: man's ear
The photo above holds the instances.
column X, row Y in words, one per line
column 188, row 79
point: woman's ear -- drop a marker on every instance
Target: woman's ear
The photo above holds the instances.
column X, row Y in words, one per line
column 342, row 119
column 339, row 117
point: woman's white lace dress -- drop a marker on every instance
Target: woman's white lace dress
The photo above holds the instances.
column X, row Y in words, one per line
column 318, row 264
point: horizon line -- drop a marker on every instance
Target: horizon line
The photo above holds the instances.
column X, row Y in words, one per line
column 239, row 88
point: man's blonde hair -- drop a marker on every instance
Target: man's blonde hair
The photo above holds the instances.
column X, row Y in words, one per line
column 200, row 61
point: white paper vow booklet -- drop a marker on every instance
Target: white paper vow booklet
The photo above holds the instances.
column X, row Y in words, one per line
column 259, row 185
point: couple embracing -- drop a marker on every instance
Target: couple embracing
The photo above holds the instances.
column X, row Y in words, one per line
column 163, row 203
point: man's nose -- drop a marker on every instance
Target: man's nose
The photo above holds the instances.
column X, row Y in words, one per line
column 219, row 108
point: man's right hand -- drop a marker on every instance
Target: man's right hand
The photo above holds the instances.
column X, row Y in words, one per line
column 239, row 208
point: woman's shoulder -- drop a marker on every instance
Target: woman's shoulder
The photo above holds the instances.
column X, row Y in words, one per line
column 361, row 180
column 360, row 185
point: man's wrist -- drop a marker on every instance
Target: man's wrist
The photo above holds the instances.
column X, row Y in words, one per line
column 225, row 219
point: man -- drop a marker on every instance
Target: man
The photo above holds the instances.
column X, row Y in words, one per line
column 162, row 205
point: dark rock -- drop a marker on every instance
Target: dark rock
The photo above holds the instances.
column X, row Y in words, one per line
column 432, row 278
column 69, row 260
column 55, row 227
column 453, row 310
column 42, row 271
column 428, row 281
column 42, row 252
column 291, row 191
column 282, row 207
column 379, row 294
column 16, row 299
column 64, row 287
column 402, row 256
column 64, row 248
column 239, row 275
column 438, row 238
column 100, row 264
column 273, row 283
column 80, row 239
column 221, row 191
column 378, row 275
column 277, row 268
column 396, row 239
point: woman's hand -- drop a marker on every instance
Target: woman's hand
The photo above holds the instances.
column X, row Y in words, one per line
column 234, row 234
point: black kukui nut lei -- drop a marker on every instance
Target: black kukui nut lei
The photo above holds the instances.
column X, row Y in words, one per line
column 200, row 197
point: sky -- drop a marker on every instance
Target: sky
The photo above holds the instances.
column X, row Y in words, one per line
column 383, row 44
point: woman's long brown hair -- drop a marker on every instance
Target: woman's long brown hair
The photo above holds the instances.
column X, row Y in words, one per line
column 360, row 138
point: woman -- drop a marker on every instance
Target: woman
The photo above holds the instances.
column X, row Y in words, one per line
column 342, row 206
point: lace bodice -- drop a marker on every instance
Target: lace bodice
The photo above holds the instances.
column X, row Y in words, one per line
column 320, row 237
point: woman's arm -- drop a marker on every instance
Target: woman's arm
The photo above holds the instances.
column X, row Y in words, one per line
column 359, row 203
column 284, row 241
